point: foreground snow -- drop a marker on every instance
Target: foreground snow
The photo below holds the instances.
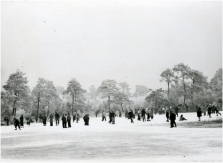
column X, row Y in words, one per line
column 139, row 141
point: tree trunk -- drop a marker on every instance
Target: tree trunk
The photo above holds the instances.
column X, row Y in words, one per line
column 14, row 108
column 192, row 95
column 75, row 100
column 122, row 108
column 168, row 89
column 184, row 93
column 37, row 117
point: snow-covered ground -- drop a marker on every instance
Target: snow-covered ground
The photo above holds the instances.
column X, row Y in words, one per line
column 124, row 141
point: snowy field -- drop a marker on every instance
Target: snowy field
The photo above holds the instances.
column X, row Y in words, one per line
column 101, row 141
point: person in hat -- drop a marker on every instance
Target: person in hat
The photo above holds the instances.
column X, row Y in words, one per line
column 86, row 120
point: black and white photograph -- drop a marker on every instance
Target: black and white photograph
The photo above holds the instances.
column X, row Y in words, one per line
column 111, row 81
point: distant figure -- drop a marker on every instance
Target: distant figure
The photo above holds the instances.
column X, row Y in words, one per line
column 16, row 123
column 57, row 118
column 143, row 114
column 130, row 115
column 120, row 114
column 28, row 120
column 110, row 116
column 69, row 120
column 199, row 113
column 167, row 116
column 203, row 108
column 177, row 110
column 182, row 118
column 117, row 113
column 77, row 117
column 172, row 119
column 86, row 119
column 138, row 114
column 7, row 120
column 21, row 121
column 209, row 110
column 74, row 116
column 217, row 111
column 51, row 119
column 151, row 113
column 113, row 117
column 64, row 121
column 44, row 120
column 103, row 116
column 148, row 114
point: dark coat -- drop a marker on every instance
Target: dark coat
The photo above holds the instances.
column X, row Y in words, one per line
column 172, row 116
column 209, row 109
column 57, row 116
column 64, row 119
column 44, row 119
column 130, row 114
column 86, row 120
column 68, row 117
column 199, row 113
column 21, row 121
column 167, row 114
column 143, row 112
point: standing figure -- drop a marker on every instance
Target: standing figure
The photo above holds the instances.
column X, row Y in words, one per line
column 113, row 117
column 7, row 120
column 74, row 116
column 203, row 109
column 110, row 116
column 143, row 114
column 172, row 119
column 86, row 119
column 199, row 113
column 64, row 121
column 44, row 120
column 69, row 120
column 28, row 119
column 77, row 116
column 209, row 110
column 16, row 123
column 167, row 116
column 57, row 117
column 21, row 121
column 120, row 114
column 103, row 116
column 148, row 114
column 51, row 119
column 138, row 114
column 131, row 116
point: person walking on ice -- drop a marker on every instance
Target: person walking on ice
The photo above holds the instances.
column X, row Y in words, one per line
column 16, row 123
column 103, row 116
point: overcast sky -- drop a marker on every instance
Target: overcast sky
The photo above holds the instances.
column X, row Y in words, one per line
column 94, row 41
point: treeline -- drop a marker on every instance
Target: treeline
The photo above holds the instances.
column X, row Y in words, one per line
column 185, row 86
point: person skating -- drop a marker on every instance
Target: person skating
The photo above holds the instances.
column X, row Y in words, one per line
column 28, row 120
column 77, row 117
column 110, row 117
column 167, row 116
column 74, row 116
column 172, row 119
column 44, row 120
column 138, row 115
column 217, row 111
column 131, row 116
column 199, row 113
column 16, row 123
column 103, row 116
column 21, row 121
column 86, row 119
column 209, row 110
column 69, row 120
column 51, row 119
column 57, row 118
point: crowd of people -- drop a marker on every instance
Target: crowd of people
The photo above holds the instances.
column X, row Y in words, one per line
column 141, row 114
